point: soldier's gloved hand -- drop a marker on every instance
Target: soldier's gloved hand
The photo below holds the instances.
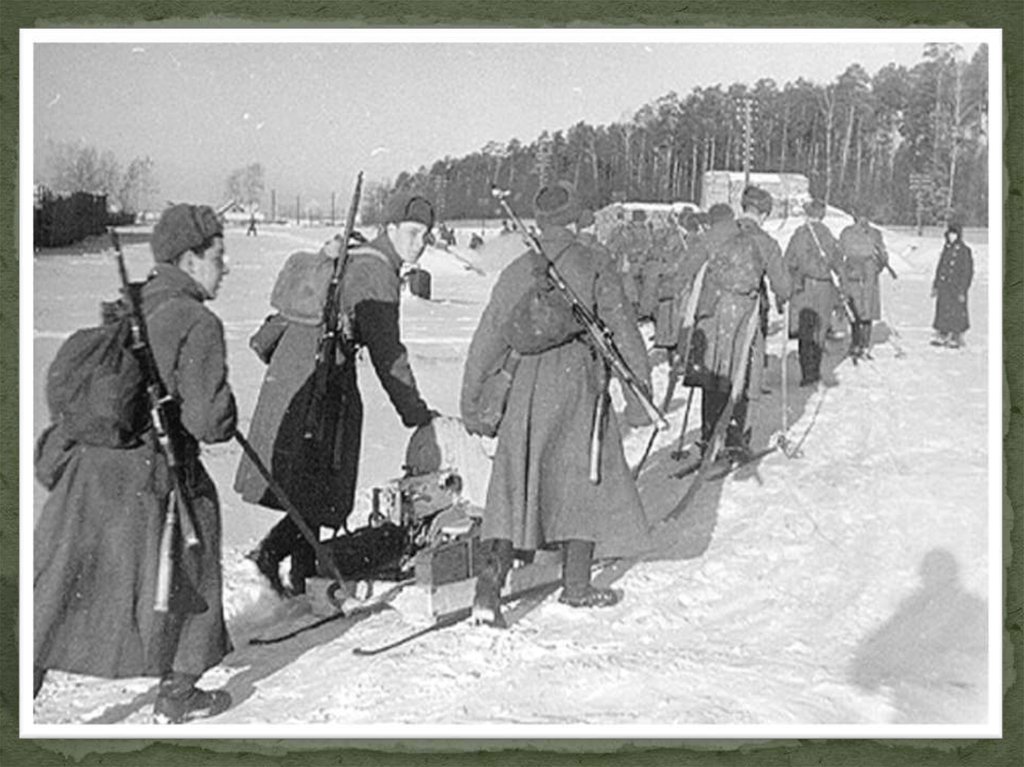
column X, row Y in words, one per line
column 780, row 304
column 962, row 298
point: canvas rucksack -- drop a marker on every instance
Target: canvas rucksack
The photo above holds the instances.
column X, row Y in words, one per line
column 96, row 387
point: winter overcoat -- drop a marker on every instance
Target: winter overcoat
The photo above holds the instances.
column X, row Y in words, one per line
column 539, row 491
column 98, row 536
column 739, row 255
column 864, row 256
column 318, row 472
column 953, row 277
column 809, row 259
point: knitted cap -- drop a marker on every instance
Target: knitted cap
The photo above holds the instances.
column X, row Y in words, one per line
column 405, row 206
column 757, row 198
column 184, row 227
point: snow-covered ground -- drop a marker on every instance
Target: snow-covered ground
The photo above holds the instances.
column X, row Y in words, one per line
column 846, row 586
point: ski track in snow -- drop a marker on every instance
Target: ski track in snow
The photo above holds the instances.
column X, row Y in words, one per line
column 796, row 592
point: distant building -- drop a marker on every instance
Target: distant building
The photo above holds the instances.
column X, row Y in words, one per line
column 789, row 191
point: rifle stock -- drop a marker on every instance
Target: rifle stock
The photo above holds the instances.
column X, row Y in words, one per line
column 163, row 418
column 599, row 334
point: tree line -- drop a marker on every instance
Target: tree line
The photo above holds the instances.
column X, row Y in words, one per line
column 75, row 168
column 861, row 140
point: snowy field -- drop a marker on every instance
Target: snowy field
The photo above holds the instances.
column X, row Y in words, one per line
column 846, row 586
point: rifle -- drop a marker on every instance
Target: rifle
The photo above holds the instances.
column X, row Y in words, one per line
column 848, row 305
column 163, row 413
column 330, row 338
column 599, row 334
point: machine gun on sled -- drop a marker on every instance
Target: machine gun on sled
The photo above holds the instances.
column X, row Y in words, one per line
column 424, row 533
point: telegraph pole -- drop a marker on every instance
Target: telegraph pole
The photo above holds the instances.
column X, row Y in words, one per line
column 748, row 138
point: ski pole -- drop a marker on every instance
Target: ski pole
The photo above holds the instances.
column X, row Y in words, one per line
column 783, row 437
column 322, row 553
column 678, row 452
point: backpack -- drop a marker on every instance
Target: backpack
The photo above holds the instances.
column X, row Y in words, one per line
column 736, row 265
column 96, row 385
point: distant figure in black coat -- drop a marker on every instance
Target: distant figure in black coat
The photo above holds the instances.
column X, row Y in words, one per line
column 949, row 289
column 252, row 226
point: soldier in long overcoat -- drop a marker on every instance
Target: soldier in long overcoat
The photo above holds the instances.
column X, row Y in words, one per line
column 311, row 442
column 864, row 257
column 740, row 254
column 812, row 258
column 953, row 276
column 540, row 492
column 97, row 539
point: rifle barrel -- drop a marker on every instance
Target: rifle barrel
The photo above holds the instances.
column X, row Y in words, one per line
column 599, row 333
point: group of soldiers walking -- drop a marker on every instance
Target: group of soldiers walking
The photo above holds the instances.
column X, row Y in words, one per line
column 531, row 380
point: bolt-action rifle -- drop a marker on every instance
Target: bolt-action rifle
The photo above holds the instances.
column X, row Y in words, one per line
column 848, row 306
column 599, row 334
column 166, row 422
column 332, row 340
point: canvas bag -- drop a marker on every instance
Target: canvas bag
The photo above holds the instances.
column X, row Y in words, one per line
column 96, row 387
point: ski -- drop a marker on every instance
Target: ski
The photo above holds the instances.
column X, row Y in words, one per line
column 527, row 601
column 704, row 468
column 449, row 620
column 350, row 609
column 720, row 471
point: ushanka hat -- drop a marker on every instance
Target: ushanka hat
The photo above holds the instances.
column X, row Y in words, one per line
column 757, row 198
column 184, row 227
column 720, row 212
column 405, row 206
column 557, row 205
column 815, row 208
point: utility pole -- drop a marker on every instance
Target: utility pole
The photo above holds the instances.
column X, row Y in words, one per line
column 748, row 138
column 298, row 211
column 273, row 205
column 332, row 208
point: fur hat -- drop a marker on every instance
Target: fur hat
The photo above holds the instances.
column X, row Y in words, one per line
column 815, row 208
column 557, row 205
column 405, row 206
column 184, row 227
column 956, row 228
column 720, row 212
column 757, row 198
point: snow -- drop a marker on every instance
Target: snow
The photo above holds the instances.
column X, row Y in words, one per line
column 846, row 586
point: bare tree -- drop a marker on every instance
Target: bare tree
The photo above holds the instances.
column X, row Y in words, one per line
column 246, row 185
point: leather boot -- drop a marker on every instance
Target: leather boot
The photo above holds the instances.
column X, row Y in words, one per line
column 277, row 544
column 179, row 700
column 303, row 566
column 489, row 582
column 577, row 590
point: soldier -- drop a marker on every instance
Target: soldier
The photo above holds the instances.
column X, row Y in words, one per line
column 949, row 289
column 98, row 537
column 864, row 256
column 668, row 255
column 540, row 493
column 315, row 457
column 812, row 258
column 740, row 254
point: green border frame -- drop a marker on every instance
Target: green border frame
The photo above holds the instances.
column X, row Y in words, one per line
column 1005, row 14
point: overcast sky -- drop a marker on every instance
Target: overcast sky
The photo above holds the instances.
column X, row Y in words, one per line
column 314, row 114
